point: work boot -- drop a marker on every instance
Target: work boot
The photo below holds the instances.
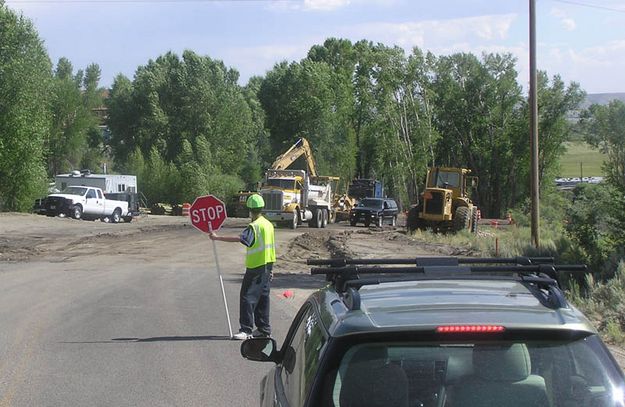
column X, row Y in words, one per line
column 241, row 336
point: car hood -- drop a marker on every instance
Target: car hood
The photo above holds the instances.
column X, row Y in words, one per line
column 68, row 196
column 367, row 209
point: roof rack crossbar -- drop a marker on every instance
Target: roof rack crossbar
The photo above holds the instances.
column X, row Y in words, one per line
column 434, row 261
column 572, row 268
column 567, row 268
column 365, row 270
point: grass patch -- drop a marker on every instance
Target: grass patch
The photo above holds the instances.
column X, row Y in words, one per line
column 604, row 304
column 501, row 242
column 580, row 152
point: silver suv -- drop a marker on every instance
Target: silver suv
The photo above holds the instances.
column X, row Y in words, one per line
column 441, row 332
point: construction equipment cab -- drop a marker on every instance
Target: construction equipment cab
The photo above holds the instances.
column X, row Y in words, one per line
column 446, row 203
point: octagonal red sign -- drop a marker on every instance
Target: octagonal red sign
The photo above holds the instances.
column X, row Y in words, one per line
column 207, row 213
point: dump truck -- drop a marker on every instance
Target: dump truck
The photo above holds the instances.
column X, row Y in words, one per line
column 446, row 204
column 294, row 197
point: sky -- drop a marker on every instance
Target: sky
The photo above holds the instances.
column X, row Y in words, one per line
column 580, row 40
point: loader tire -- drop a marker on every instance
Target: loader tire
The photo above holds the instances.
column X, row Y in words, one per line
column 462, row 219
column 413, row 221
column 474, row 220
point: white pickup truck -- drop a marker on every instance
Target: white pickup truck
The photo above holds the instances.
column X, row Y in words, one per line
column 86, row 203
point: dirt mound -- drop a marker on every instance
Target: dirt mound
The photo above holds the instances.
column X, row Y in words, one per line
column 316, row 245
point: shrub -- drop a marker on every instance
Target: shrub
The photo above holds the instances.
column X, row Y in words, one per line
column 604, row 303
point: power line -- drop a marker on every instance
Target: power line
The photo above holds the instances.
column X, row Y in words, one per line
column 144, row 1
column 595, row 6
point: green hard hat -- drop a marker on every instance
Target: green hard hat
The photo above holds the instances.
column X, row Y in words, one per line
column 255, row 201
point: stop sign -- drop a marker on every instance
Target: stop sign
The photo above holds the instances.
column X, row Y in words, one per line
column 207, row 213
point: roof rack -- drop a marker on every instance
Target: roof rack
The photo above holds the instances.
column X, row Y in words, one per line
column 538, row 274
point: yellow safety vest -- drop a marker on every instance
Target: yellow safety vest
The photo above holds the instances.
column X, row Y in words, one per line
column 263, row 250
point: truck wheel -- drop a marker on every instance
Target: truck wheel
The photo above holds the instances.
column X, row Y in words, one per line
column 116, row 216
column 324, row 218
column 77, row 212
column 294, row 221
column 380, row 221
column 316, row 220
column 127, row 219
column 394, row 221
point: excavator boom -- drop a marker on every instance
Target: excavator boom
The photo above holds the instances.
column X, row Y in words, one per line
column 301, row 147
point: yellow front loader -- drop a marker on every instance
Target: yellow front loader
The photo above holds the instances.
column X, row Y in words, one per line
column 446, row 205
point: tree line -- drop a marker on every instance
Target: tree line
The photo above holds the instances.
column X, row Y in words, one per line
column 186, row 127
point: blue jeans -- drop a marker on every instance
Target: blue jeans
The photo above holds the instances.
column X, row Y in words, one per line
column 254, row 299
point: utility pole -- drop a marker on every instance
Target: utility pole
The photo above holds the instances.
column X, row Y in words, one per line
column 581, row 171
column 535, row 190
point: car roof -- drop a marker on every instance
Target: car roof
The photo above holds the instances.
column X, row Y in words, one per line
column 429, row 302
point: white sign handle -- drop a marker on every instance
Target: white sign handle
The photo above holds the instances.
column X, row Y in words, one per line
column 221, row 281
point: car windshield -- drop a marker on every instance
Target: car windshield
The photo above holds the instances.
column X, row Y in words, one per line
column 528, row 373
column 371, row 203
column 281, row 183
column 75, row 191
column 444, row 179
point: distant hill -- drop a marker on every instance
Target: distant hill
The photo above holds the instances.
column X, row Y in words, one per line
column 601, row 98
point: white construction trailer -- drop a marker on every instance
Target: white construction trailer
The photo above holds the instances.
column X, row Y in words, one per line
column 109, row 183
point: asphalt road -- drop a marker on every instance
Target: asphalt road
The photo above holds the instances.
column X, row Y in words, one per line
column 129, row 321
column 95, row 314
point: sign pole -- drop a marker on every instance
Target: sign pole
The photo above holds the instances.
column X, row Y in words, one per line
column 221, row 281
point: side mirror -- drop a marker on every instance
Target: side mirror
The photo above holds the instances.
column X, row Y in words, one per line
column 260, row 350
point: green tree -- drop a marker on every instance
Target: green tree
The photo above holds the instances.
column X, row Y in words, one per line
column 172, row 103
column 304, row 100
column 74, row 139
column 596, row 224
column 259, row 154
column 24, row 116
column 475, row 113
column 340, row 56
column 605, row 129
column 402, row 130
